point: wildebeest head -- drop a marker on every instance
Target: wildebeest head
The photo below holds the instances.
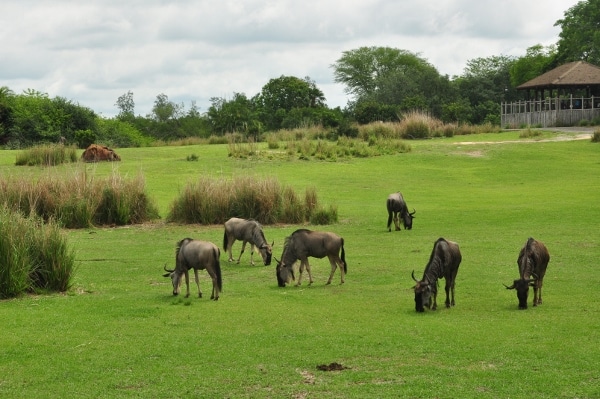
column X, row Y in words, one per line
column 522, row 287
column 175, row 279
column 284, row 273
column 423, row 291
column 407, row 219
column 266, row 251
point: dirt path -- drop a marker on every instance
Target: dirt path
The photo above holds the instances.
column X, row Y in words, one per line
column 570, row 134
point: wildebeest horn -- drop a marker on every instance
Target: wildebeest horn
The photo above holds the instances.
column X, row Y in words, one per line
column 512, row 287
column 167, row 270
column 413, row 276
column 412, row 213
column 276, row 260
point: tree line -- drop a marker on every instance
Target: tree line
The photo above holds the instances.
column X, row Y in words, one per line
column 383, row 84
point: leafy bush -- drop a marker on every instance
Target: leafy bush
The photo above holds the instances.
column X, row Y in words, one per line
column 33, row 255
column 596, row 137
column 117, row 133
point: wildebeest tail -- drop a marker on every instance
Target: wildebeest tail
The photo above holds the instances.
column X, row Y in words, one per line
column 225, row 241
column 344, row 258
column 389, row 209
column 217, row 256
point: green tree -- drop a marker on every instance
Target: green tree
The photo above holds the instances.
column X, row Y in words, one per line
column 364, row 70
column 235, row 115
column 37, row 118
column 281, row 95
column 165, row 110
column 126, row 106
column 579, row 38
column 390, row 77
column 537, row 60
column 485, row 81
column 6, row 113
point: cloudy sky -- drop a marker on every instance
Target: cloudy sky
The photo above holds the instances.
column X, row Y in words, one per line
column 91, row 52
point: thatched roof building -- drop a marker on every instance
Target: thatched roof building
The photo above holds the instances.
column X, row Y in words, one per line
column 564, row 96
column 578, row 77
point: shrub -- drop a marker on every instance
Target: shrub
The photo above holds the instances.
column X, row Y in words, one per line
column 324, row 216
column 418, row 125
column 79, row 201
column 210, row 201
column 33, row 255
column 46, row 155
column 596, row 137
column 528, row 133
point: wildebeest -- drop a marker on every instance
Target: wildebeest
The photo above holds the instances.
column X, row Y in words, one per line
column 248, row 231
column 197, row 255
column 396, row 205
column 533, row 260
column 443, row 263
column 304, row 243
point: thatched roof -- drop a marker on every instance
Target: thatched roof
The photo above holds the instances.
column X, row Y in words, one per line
column 577, row 73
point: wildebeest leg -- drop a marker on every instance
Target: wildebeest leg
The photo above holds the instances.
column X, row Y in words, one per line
column 197, row 283
column 230, row 241
column 537, row 293
column 242, row 252
column 396, row 221
column 304, row 265
column 335, row 262
column 187, row 283
column 215, row 286
column 434, row 301
column 449, row 290
column 252, row 249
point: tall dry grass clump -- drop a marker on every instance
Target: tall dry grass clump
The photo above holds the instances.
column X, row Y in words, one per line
column 33, row 255
column 46, row 155
column 213, row 201
column 79, row 200
column 419, row 125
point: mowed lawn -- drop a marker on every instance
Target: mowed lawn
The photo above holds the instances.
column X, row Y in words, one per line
column 120, row 332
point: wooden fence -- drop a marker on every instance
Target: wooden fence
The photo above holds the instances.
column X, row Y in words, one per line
column 566, row 111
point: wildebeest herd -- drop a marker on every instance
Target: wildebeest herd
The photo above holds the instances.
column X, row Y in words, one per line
column 443, row 262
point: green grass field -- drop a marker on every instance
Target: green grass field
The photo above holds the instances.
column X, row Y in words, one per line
column 120, row 333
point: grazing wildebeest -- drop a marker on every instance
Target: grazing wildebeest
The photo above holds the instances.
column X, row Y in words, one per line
column 197, row 255
column 248, row 231
column 304, row 243
column 396, row 205
column 443, row 263
column 533, row 260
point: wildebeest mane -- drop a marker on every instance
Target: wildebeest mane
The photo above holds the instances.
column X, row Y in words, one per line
column 178, row 249
column 435, row 266
column 525, row 261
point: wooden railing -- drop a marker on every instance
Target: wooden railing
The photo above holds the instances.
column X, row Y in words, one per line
column 558, row 111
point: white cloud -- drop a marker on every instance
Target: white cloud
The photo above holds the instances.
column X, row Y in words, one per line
column 92, row 52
